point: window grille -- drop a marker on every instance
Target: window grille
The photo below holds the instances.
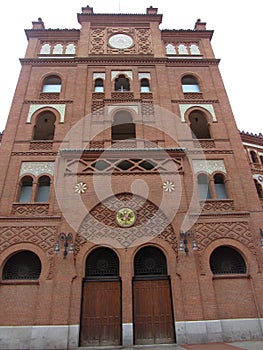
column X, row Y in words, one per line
column 102, row 262
column 24, row 265
column 226, row 260
column 150, row 261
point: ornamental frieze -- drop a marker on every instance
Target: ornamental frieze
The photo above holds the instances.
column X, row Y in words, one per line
column 120, row 41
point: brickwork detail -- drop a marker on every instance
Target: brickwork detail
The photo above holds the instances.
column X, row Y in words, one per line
column 42, row 236
column 41, row 145
column 30, row 209
column 193, row 95
column 204, row 144
column 144, row 41
column 122, row 95
column 217, row 205
column 101, row 223
column 147, row 109
column 97, row 41
column 49, row 96
column 205, row 233
column 97, row 108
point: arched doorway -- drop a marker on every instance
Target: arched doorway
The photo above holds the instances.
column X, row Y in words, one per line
column 101, row 300
column 152, row 301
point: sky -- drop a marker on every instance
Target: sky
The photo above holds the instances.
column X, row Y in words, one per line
column 237, row 41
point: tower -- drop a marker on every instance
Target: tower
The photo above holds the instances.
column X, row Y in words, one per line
column 128, row 212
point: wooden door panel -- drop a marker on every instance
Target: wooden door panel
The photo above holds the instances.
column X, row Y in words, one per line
column 101, row 314
column 153, row 321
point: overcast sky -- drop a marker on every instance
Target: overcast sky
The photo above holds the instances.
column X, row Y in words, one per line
column 237, row 41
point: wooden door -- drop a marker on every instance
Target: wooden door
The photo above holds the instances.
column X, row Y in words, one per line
column 153, row 317
column 101, row 313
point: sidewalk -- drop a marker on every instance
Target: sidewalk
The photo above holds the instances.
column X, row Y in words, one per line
column 247, row 345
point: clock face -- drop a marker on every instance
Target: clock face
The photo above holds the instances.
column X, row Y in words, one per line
column 120, row 41
column 125, row 217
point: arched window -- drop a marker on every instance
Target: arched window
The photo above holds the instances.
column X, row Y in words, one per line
column 122, row 83
column 194, row 49
column 258, row 188
column 51, row 84
column 45, row 126
column 170, row 49
column 70, row 49
column 190, row 84
column 145, row 85
column 203, row 186
column 150, row 261
column 253, row 156
column 25, row 189
column 182, row 49
column 102, row 262
column 226, row 260
column 43, row 189
column 58, row 49
column 123, row 127
column 220, row 187
column 98, row 85
column 24, row 265
column 199, row 125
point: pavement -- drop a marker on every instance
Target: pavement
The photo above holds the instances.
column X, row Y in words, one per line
column 247, row 345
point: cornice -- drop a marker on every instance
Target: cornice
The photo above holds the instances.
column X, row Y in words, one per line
column 119, row 18
column 45, row 61
column 189, row 34
column 37, row 154
column 44, row 34
column 47, row 101
column 209, row 151
column 120, row 60
column 193, row 62
column 194, row 101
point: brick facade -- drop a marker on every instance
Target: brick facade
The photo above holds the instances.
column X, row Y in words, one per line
column 122, row 115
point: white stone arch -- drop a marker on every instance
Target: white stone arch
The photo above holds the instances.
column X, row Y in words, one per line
column 185, row 107
column 60, row 108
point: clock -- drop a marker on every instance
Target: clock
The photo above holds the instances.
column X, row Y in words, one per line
column 125, row 217
column 120, row 41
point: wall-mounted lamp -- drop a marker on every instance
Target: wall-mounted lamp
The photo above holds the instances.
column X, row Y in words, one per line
column 261, row 236
column 67, row 240
column 183, row 246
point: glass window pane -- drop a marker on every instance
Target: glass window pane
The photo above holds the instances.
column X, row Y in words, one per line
column 191, row 88
column 25, row 194
column 51, row 88
column 221, row 191
column 43, row 193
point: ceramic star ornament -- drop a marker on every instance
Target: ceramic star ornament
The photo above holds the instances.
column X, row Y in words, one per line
column 168, row 186
column 81, row 187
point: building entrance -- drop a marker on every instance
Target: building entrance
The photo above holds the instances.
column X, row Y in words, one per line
column 152, row 304
column 101, row 300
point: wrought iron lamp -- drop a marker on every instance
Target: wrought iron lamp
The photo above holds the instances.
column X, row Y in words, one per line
column 67, row 240
column 183, row 246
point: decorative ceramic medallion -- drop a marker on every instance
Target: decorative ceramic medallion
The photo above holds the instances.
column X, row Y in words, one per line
column 168, row 186
column 125, row 217
column 120, row 41
column 81, row 187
